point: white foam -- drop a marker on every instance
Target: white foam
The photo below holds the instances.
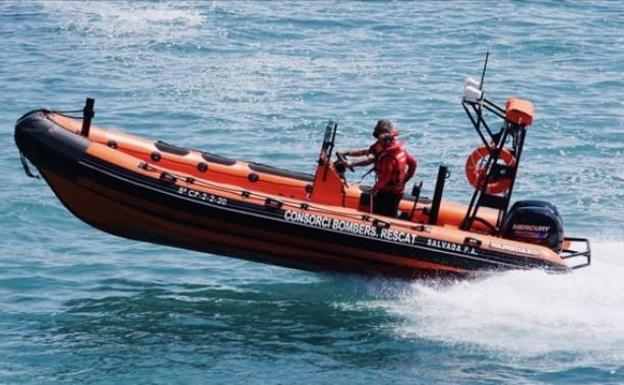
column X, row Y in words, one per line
column 528, row 313
column 118, row 18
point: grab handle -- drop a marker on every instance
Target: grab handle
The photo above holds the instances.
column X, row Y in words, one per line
column 88, row 114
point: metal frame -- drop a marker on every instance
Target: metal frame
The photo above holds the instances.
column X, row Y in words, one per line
column 569, row 253
column 495, row 143
column 328, row 143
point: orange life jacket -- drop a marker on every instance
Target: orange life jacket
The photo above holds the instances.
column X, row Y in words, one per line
column 396, row 152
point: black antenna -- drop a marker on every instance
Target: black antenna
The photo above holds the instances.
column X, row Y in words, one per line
column 480, row 107
column 487, row 55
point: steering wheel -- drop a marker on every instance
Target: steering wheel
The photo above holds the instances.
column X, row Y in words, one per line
column 343, row 159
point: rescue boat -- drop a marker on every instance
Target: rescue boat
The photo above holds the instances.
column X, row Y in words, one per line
column 158, row 192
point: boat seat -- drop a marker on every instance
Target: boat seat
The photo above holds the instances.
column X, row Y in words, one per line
column 171, row 148
column 260, row 167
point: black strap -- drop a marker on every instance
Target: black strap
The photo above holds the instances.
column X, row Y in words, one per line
column 366, row 174
column 26, row 168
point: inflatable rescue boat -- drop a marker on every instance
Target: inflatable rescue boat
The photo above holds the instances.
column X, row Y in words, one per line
column 162, row 193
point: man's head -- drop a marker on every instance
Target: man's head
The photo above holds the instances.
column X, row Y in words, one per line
column 384, row 126
column 383, row 142
column 386, row 140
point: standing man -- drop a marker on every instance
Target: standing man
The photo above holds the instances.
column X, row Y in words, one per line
column 394, row 167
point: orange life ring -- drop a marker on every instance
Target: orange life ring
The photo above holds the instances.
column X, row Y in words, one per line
column 475, row 170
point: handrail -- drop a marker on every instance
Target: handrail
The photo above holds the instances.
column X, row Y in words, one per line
column 568, row 253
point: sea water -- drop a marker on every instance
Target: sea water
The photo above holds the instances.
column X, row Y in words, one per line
column 259, row 81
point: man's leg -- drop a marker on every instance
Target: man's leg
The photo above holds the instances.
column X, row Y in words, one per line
column 396, row 199
column 386, row 203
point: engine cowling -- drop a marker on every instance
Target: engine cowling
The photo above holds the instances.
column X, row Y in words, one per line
column 536, row 222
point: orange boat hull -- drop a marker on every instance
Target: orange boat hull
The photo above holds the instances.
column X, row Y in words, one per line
column 155, row 192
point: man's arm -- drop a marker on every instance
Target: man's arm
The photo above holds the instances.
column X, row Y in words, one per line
column 412, row 163
column 361, row 152
column 364, row 162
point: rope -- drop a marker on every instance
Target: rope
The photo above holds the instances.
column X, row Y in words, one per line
column 65, row 114
column 26, row 168
column 294, row 204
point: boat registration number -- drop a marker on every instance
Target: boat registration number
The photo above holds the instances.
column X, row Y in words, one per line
column 202, row 196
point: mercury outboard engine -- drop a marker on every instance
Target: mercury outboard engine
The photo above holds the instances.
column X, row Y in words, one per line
column 535, row 222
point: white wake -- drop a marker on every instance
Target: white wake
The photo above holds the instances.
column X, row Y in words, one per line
column 528, row 313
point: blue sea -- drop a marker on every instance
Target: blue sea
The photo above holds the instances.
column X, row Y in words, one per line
column 259, row 81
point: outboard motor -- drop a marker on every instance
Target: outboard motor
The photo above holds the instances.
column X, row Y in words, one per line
column 534, row 221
